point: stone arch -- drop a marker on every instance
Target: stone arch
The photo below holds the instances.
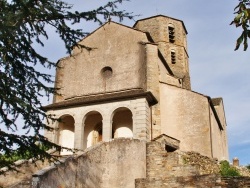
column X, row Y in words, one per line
column 114, row 109
column 93, row 128
column 122, row 123
column 56, row 115
column 90, row 109
column 66, row 133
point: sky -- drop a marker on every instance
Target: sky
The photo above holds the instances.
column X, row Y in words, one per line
column 216, row 69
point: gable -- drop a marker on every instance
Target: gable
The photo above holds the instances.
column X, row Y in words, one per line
column 111, row 31
column 115, row 63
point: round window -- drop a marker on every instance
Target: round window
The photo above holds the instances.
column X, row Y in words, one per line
column 107, row 72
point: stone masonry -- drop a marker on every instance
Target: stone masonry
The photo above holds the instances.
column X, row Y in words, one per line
column 184, row 170
column 129, row 106
column 129, row 163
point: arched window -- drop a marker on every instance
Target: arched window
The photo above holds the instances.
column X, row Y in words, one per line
column 122, row 123
column 171, row 33
column 92, row 129
column 173, row 56
column 66, row 133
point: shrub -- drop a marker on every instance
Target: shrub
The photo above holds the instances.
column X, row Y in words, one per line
column 248, row 166
column 18, row 155
column 226, row 170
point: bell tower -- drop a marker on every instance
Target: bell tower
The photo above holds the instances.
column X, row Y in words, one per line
column 171, row 37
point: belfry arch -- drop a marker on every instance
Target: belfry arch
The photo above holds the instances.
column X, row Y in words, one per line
column 122, row 123
column 93, row 129
column 66, row 133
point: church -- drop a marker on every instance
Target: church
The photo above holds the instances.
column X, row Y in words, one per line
column 127, row 105
column 134, row 82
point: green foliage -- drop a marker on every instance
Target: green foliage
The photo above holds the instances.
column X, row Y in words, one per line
column 16, row 155
column 226, row 170
column 24, row 23
column 242, row 19
column 248, row 166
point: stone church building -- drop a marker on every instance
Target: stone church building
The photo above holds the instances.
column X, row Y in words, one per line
column 134, row 82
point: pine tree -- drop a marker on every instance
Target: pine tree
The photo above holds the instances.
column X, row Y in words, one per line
column 23, row 24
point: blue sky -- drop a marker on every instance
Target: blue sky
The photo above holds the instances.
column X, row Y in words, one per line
column 216, row 69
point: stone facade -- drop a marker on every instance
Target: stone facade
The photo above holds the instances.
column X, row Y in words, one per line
column 108, row 164
column 21, row 176
column 139, row 109
column 130, row 163
column 135, row 82
column 184, row 170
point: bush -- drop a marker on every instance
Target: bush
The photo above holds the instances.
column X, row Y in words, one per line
column 226, row 170
column 18, row 155
column 248, row 166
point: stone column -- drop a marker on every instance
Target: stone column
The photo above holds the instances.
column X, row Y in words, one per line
column 141, row 119
column 50, row 135
column 106, row 127
column 79, row 132
column 153, row 73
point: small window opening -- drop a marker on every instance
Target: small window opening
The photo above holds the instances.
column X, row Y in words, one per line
column 173, row 57
column 170, row 148
column 107, row 72
column 171, row 34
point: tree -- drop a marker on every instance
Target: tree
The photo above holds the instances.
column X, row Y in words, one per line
column 242, row 19
column 23, row 24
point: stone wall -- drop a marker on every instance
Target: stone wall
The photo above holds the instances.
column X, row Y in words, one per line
column 22, row 175
column 235, row 182
column 205, row 164
column 186, row 118
column 184, row 170
column 219, row 136
column 115, row 63
column 153, row 73
column 202, row 181
column 162, row 164
column 109, row 164
column 244, row 171
column 139, row 108
column 205, row 181
column 127, row 163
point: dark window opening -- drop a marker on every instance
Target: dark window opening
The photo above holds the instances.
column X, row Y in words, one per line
column 171, row 34
column 170, row 148
column 173, row 58
column 107, row 72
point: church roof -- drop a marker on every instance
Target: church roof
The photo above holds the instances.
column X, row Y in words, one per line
column 160, row 15
column 103, row 98
column 108, row 22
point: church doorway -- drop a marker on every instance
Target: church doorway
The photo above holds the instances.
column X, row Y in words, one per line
column 66, row 133
column 122, row 123
column 92, row 129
